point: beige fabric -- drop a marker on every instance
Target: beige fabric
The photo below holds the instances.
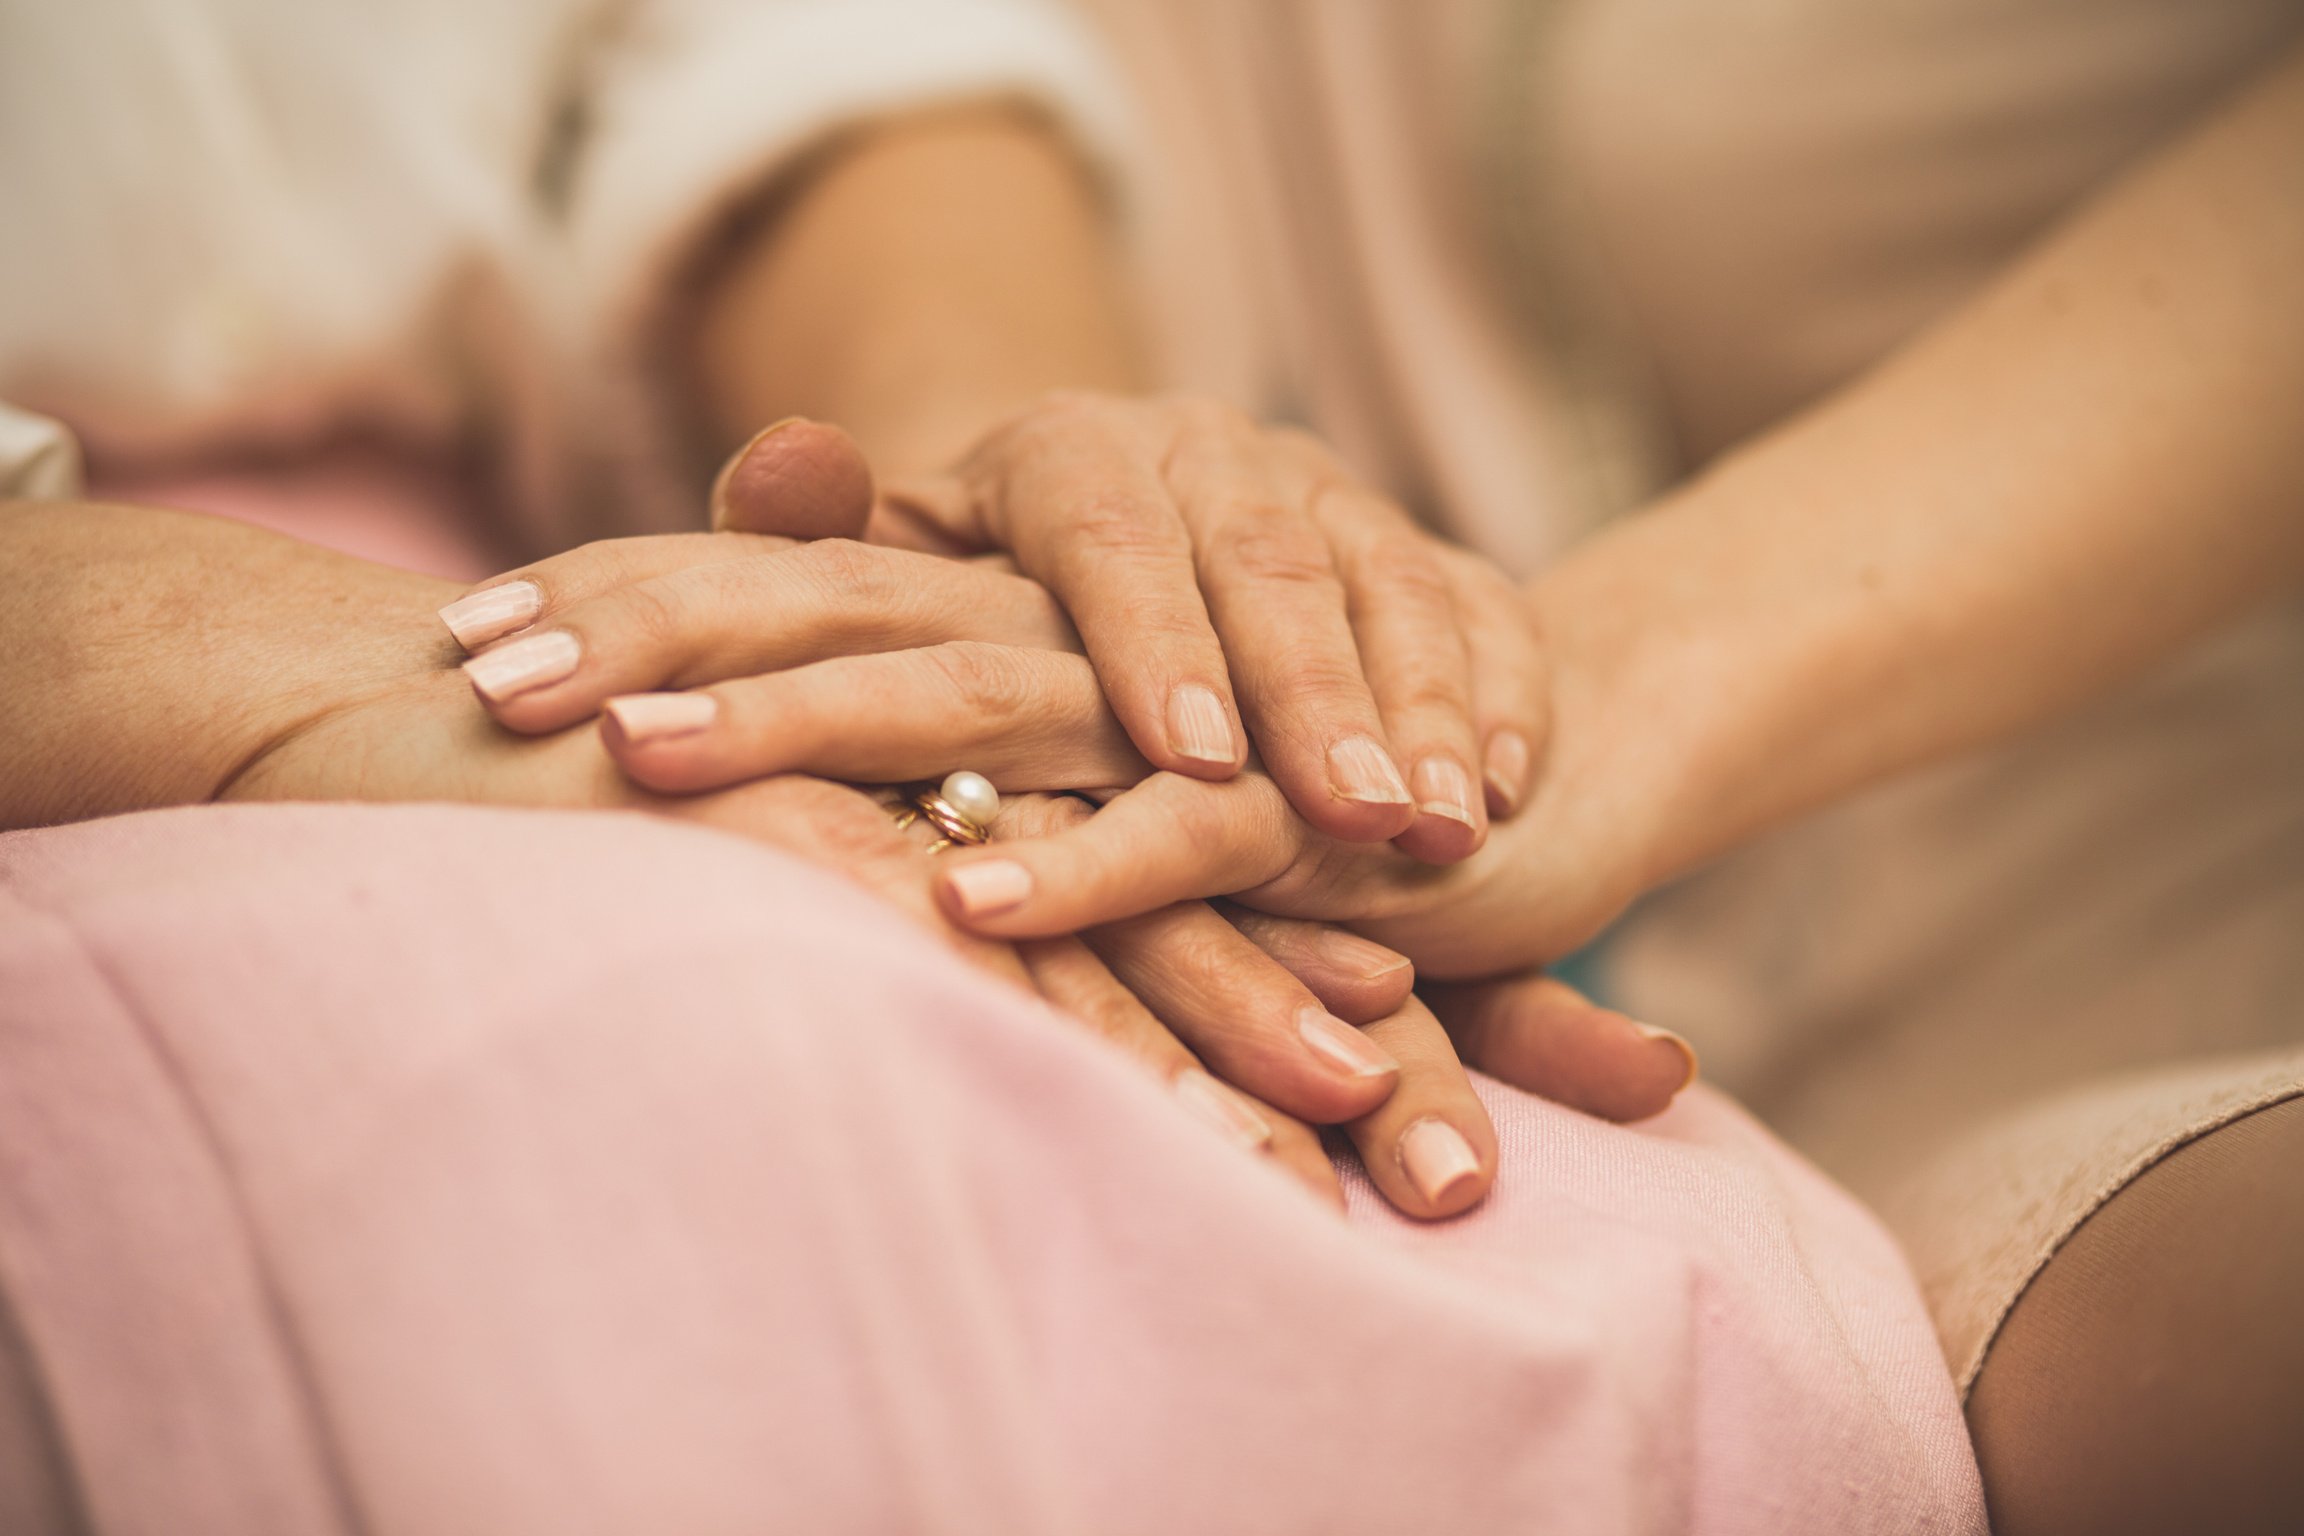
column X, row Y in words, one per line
column 1474, row 240
column 1981, row 1217
column 1907, row 986
column 2122, row 890
column 1313, row 243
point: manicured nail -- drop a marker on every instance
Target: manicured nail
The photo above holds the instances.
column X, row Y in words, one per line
column 989, row 886
column 1679, row 1043
column 1443, row 788
column 1506, row 768
column 644, row 717
column 1343, row 1047
column 522, row 665
column 717, row 502
column 1436, row 1158
column 1223, row 1109
column 1198, row 727
column 1361, row 957
column 492, row 612
column 1359, row 769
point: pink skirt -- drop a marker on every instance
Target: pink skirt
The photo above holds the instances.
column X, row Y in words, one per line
column 427, row 1169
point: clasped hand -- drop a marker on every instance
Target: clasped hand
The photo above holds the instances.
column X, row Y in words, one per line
column 1276, row 687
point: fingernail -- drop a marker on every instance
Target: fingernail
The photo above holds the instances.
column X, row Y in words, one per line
column 1506, row 768
column 1362, row 957
column 1343, row 1047
column 644, row 717
column 718, row 500
column 492, row 612
column 1359, row 769
column 1443, row 788
column 1436, row 1158
column 1679, row 1043
column 1223, row 1108
column 522, row 665
column 989, row 886
column 1198, row 727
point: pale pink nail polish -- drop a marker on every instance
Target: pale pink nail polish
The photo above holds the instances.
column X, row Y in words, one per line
column 1678, row 1042
column 492, row 612
column 1198, row 727
column 1436, row 1158
column 989, row 886
column 520, row 666
column 1222, row 1108
column 1342, row 1047
column 1361, row 770
column 1506, row 768
column 1443, row 788
column 646, row 717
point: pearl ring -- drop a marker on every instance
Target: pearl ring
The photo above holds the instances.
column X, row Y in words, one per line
column 961, row 809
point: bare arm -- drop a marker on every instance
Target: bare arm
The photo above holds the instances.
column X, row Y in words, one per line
column 146, row 656
column 929, row 279
column 2097, row 459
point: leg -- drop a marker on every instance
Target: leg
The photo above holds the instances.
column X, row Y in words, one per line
column 2151, row 1379
column 416, row 1170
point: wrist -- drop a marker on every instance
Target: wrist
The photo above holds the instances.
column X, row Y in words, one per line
column 1688, row 689
column 153, row 655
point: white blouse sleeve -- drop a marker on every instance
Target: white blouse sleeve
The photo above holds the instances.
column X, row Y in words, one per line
column 39, row 460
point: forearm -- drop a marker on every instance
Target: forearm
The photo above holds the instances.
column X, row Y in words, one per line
column 2091, row 463
column 925, row 281
column 148, row 656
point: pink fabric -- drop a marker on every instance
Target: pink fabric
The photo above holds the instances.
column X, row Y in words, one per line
column 430, row 1169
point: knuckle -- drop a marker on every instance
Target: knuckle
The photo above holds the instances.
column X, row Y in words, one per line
column 1272, row 546
column 1053, row 417
column 989, row 679
column 1195, row 951
column 1110, row 526
column 1038, row 815
column 646, row 617
column 847, row 571
column 1403, row 564
column 1427, row 691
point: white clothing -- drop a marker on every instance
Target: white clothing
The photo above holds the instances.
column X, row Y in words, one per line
column 251, row 224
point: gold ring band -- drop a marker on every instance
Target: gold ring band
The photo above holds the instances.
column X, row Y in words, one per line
column 953, row 826
column 948, row 821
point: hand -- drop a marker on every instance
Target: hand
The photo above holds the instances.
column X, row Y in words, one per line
column 1218, row 569
column 1031, row 714
column 992, row 678
column 1270, row 1006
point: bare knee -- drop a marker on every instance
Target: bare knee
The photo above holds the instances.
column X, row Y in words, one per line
column 2151, row 1379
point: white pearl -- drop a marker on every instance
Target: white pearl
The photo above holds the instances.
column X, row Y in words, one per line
column 972, row 795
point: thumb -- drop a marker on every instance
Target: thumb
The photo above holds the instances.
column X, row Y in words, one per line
column 799, row 478
column 1550, row 1039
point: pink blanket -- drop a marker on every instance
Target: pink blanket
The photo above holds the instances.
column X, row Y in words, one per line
column 425, row 1170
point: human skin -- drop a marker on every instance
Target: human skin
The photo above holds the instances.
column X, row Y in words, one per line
column 156, row 659
column 160, row 658
column 953, row 302
column 2066, row 478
